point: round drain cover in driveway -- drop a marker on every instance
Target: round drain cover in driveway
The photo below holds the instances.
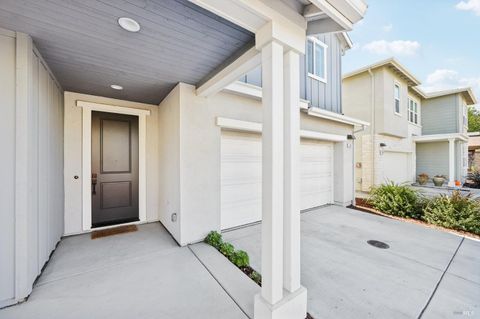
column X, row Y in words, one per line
column 378, row 244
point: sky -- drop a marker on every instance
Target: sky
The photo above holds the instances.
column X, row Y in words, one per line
column 437, row 40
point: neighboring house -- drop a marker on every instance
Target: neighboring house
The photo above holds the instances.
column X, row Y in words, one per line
column 443, row 147
column 183, row 142
column 474, row 151
column 381, row 93
column 411, row 132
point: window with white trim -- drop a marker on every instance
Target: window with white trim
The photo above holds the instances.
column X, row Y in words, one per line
column 316, row 59
column 396, row 95
column 413, row 111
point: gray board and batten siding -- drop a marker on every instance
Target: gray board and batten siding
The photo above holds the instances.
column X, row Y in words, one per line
column 327, row 96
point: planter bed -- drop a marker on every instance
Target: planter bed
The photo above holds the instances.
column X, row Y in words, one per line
column 362, row 205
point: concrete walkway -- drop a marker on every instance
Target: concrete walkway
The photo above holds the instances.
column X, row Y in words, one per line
column 425, row 273
column 144, row 275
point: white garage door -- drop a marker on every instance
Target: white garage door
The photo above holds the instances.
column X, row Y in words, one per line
column 316, row 173
column 395, row 167
column 241, row 177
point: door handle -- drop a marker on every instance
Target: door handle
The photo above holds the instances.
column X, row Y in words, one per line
column 94, row 183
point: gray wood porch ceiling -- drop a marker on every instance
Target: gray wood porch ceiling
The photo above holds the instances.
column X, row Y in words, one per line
column 87, row 50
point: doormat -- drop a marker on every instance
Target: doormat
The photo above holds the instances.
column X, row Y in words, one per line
column 114, row 231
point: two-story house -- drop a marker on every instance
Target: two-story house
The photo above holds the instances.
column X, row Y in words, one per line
column 411, row 132
column 443, row 147
column 381, row 94
column 116, row 113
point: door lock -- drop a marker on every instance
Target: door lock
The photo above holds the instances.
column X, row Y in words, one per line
column 94, row 183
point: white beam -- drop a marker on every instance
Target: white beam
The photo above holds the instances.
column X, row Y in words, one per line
column 231, row 73
column 451, row 162
column 291, row 206
column 235, row 12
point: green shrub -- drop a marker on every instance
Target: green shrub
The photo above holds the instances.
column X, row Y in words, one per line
column 474, row 178
column 214, row 239
column 396, row 199
column 255, row 276
column 455, row 211
column 227, row 249
column 240, row 258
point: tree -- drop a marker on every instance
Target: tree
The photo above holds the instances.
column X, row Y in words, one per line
column 473, row 119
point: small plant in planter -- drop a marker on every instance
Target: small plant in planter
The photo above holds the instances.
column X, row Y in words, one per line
column 240, row 259
column 227, row 250
column 214, row 239
column 423, row 179
column 439, row 180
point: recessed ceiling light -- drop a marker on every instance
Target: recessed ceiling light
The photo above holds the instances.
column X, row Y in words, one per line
column 116, row 87
column 129, row 24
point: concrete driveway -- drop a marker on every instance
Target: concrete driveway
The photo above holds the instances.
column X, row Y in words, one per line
column 143, row 274
column 425, row 273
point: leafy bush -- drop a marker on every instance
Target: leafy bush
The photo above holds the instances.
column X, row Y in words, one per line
column 214, row 239
column 455, row 211
column 240, row 259
column 255, row 276
column 227, row 249
column 474, row 178
column 396, row 199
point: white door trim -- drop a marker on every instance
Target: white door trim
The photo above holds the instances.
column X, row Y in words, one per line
column 87, row 108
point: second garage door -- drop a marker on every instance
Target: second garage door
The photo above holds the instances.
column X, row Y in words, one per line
column 241, row 176
column 395, row 167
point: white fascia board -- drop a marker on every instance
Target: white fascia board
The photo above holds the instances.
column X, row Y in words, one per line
column 440, row 137
column 334, row 13
column 247, row 126
column 242, row 65
column 317, row 112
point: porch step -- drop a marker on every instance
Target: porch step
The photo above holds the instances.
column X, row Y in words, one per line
column 238, row 285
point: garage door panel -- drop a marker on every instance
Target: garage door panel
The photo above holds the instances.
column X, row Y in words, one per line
column 241, row 176
column 395, row 167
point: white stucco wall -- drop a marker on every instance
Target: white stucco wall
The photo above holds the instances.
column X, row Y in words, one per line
column 199, row 169
column 169, row 162
column 73, row 157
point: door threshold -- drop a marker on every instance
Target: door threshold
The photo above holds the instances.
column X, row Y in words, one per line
column 137, row 222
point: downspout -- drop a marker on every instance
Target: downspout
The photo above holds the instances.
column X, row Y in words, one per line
column 372, row 122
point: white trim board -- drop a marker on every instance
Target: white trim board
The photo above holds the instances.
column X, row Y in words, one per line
column 87, row 108
column 247, row 126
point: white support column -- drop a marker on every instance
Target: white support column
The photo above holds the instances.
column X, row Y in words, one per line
column 272, row 170
column 451, row 162
column 291, row 218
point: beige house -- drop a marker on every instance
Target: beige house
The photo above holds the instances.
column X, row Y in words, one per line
column 380, row 94
column 411, row 131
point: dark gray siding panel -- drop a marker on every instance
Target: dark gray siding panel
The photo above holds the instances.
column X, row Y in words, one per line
column 326, row 96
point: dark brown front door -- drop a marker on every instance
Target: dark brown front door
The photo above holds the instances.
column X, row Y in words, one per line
column 114, row 169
